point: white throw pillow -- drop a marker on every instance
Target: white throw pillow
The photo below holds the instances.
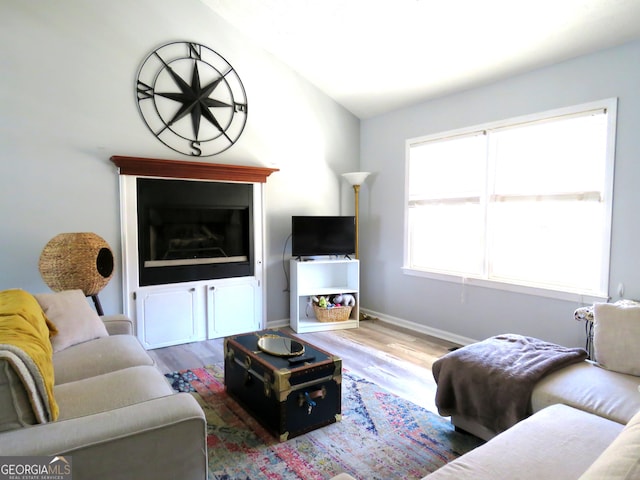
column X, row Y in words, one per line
column 620, row 461
column 72, row 315
column 616, row 337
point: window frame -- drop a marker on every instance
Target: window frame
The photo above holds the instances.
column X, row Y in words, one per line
column 610, row 105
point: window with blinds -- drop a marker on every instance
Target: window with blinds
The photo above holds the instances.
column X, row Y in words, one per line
column 522, row 202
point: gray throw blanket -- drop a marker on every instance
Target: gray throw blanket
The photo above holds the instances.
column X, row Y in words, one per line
column 491, row 381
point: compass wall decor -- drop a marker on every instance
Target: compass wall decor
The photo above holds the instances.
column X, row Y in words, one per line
column 191, row 99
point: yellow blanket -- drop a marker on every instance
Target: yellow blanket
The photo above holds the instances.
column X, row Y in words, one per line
column 24, row 335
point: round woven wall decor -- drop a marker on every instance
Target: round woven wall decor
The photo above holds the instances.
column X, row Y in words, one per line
column 71, row 261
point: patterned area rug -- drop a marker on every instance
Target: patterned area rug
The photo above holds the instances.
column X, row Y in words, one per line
column 381, row 436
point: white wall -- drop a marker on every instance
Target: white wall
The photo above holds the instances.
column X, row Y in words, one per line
column 476, row 312
column 67, row 105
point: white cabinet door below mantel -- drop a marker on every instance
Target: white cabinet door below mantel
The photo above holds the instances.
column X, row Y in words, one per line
column 233, row 306
column 169, row 315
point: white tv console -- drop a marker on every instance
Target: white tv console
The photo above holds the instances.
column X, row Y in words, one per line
column 322, row 277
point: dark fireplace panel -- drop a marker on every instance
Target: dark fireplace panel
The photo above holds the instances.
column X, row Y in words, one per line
column 189, row 230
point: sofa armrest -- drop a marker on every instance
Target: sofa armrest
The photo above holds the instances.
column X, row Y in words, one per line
column 118, row 324
column 163, row 438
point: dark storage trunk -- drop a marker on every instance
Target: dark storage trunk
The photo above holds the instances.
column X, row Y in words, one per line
column 288, row 400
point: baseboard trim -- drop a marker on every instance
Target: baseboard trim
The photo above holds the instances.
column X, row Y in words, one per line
column 416, row 327
column 278, row 323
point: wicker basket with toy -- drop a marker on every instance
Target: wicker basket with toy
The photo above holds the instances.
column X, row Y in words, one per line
column 337, row 310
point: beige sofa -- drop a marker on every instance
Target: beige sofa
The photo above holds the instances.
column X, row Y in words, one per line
column 118, row 416
column 586, row 421
column 586, row 425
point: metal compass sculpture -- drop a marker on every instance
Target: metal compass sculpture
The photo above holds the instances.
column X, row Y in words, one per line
column 191, row 99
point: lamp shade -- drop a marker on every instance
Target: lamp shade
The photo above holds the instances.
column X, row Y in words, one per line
column 356, row 178
column 71, row 261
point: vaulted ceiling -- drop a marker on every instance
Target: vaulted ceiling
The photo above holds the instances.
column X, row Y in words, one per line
column 374, row 56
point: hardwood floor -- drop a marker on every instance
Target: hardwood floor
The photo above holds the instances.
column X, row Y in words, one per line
column 398, row 360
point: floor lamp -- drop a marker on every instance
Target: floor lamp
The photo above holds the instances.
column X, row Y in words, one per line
column 356, row 179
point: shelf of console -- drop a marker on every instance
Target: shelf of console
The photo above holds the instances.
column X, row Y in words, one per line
column 306, row 325
column 322, row 278
column 326, row 291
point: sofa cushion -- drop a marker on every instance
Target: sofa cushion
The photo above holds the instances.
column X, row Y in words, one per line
column 588, row 387
column 72, row 315
column 616, row 336
column 118, row 324
column 621, row 459
column 111, row 391
column 557, row 442
column 99, row 356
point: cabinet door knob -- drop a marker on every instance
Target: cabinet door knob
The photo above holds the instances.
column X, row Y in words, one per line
column 212, row 288
column 192, row 289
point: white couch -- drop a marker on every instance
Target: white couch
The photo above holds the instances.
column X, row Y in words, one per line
column 586, row 421
column 118, row 416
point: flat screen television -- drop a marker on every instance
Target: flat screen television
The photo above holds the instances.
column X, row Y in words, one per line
column 311, row 236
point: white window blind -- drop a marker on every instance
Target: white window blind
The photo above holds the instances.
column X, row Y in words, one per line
column 523, row 202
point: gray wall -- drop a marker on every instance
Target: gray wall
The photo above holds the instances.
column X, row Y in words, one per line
column 476, row 312
column 67, row 105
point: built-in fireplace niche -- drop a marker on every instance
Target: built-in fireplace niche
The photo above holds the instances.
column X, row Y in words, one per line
column 193, row 230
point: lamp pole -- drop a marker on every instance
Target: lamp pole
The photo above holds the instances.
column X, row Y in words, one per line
column 356, row 179
column 356, row 189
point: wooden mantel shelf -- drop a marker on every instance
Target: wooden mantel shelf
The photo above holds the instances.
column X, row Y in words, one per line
column 154, row 167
